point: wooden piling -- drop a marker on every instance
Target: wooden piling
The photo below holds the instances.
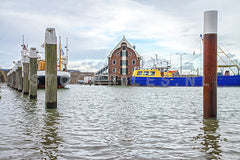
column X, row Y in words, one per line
column 19, row 76
column 210, row 65
column 25, row 75
column 33, row 74
column 51, row 68
column 15, row 78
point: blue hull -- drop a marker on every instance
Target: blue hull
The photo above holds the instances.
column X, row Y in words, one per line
column 183, row 81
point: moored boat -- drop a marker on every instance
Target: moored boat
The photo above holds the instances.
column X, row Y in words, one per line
column 154, row 77
column 63, row 78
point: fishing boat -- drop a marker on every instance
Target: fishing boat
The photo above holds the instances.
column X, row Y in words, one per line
column 166, row 77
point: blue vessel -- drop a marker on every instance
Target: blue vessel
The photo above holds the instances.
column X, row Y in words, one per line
column 154, row 77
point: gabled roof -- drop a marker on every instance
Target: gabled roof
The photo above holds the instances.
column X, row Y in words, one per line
column 119, row 46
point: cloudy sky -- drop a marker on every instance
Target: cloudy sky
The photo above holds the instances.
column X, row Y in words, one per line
column 94, row 27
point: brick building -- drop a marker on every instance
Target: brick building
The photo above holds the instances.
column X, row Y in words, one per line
column 121, row 62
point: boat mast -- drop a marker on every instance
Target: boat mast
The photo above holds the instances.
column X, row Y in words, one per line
column 64, row 58
column 23, row 39
column 59, row 60
column 66, row 53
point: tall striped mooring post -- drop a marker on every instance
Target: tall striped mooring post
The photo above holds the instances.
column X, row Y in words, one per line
column 51, row 68
column 33, row 74
column 210, row 64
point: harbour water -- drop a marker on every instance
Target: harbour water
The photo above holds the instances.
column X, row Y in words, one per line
column 114, row 122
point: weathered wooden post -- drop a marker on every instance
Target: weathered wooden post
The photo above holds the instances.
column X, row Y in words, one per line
column 33, row 74
column 25, row 74
column 10, row 73
column 210, row 65
column 12, row 78
column 15, row 77
column 9, row 78
column 51, row 68
column 19, row 75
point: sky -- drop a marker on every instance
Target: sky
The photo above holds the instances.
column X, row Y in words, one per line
column 94, row 27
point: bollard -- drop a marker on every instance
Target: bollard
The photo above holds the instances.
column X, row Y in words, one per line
column 15, row 78
column 51, row 68
column 25, row 75
column 33, row 74
column 19, row 76
column 210, row 65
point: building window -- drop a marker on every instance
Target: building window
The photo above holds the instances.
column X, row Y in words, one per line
column 123, row 62
column 114, row 70
column 123, row 70
column 123, row 54
column 117, row 53
column 124, row 48
column 130, row 53
column 133, row 61
column 114, row 62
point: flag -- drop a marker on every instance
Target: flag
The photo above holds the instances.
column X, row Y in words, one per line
column 62, row 53
column 43, row 45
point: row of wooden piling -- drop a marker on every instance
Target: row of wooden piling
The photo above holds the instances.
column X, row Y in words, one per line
column 23, row 76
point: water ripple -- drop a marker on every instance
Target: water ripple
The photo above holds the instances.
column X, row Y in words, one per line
column 107, row 122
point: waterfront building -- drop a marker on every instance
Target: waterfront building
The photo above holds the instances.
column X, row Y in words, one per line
column 122, row 60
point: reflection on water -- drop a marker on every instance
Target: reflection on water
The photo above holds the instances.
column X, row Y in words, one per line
column 50, row 139
column 210, row 139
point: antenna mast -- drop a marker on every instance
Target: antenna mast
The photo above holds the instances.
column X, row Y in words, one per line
column 23, row 39
column 66, row 47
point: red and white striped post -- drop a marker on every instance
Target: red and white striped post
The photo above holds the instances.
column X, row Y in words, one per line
column 210, row 64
